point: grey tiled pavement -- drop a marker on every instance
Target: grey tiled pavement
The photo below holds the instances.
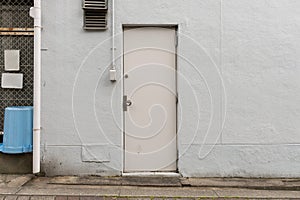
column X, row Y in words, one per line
column 28, row 187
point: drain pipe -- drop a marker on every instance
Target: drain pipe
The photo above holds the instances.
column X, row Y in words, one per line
column 113, row 71
column 35, row 12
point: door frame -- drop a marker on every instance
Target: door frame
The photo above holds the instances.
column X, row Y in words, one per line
column 175, row 26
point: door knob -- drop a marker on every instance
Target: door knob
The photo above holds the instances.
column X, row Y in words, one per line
column 128, row 103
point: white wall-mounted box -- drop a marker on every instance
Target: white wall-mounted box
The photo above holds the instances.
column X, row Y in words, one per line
column 12, row 60
column 12, row 81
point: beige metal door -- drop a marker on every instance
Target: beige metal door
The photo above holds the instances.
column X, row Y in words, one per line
column 150, row 99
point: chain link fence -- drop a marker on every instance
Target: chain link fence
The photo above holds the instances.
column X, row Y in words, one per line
column 16, row 28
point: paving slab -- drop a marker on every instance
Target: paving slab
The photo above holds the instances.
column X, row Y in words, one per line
column 91, row 198
column 131, row 191
column 71, row 191
column 249, row 193
column 254, row 183
column 126, row 180
column 23, row 197
column 73, row 198
column 40, row 182
column 20, row 181
column 7, row 191
column 5, row 178
column 61, row 198
column 42, row 198
column 84, row 180
column 11, row 197
column 14, row 180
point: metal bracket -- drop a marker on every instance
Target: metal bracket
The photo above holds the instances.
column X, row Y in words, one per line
column 35, row 13
column 125, row 103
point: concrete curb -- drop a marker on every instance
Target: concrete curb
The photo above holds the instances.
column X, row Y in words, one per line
column 191, row 188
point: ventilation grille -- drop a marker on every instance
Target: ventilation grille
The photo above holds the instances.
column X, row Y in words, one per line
column 95, row 4
column 94, row 20
column 95, row 14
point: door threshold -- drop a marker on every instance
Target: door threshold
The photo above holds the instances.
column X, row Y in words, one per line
column 152, row 174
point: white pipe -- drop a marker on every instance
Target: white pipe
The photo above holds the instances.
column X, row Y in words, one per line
column 35, row 12
column 113, row 34
column 112, row 71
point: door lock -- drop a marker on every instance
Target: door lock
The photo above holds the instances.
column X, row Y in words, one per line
column 126, row 103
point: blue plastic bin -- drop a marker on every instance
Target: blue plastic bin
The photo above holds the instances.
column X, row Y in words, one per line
column 18, row 130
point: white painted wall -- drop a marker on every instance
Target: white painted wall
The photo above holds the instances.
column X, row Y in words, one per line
column 238, row 69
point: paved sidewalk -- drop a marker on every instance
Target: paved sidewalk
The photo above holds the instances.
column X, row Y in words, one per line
column 70, row 187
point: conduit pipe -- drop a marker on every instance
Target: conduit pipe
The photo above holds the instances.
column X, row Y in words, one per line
column 112, row 71
column 35, row 12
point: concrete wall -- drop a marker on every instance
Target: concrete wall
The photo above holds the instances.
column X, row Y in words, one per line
column 238, row 85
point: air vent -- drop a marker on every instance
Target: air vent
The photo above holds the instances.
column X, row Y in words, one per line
column 95, row 4
column 94, row 20
column 95, row 14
